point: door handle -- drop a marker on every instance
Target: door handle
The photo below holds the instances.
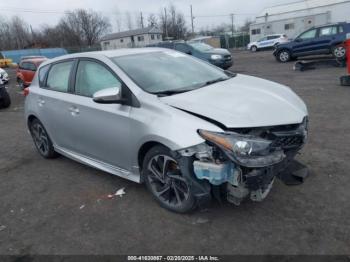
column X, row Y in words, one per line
column 74, row 110
column 41, row 101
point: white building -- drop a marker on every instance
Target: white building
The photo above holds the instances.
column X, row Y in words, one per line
column 294, row 18
column 133, row 38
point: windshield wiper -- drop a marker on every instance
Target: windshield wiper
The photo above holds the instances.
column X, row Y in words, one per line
column 172, row 92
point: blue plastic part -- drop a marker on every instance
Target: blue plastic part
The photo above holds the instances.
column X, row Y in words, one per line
column 217, row 174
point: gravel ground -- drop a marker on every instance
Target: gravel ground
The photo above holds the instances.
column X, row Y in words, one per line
column 61, row 207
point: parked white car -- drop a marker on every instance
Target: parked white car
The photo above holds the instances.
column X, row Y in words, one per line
column 266, row 42
column 4, row 77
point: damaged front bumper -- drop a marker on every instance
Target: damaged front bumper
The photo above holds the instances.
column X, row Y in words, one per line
column 237, row 179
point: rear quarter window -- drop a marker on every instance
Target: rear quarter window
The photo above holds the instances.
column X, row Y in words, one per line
column 42, row 75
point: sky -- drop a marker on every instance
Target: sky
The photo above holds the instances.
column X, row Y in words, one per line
column 207, row 13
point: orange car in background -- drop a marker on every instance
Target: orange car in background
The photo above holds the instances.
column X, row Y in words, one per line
column 26, row 70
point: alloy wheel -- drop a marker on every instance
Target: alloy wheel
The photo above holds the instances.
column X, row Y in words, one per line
column 339, row 52
column 40, row 137
column 284, row 56
column 166, row 180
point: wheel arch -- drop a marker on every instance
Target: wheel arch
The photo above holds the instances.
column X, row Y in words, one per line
column 145, row 147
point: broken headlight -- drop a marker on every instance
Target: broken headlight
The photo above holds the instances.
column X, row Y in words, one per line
column 245, row 150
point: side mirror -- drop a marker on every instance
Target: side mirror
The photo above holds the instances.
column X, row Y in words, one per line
column 112, row 95
column 298, row 40
column 189, row 52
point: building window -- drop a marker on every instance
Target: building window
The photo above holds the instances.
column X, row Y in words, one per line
column 121, row 40
column 158, row 36
column 140, row 38
column 289, row 26
column 106, row 44
column 256, row 31
column 152, row 37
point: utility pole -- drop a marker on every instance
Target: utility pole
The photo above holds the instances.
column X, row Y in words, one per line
column 165, row 23
column 141, row 20
column 192, row 21
column 232, row 26
column 232, row 17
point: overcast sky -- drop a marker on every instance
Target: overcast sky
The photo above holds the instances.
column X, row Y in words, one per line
column 209, row 12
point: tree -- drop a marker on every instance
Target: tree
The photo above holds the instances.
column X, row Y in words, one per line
column 152, row 20
column 174, row 24
column 129, row 23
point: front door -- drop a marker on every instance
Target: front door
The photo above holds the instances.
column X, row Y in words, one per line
column 305, row 43
column 98, row 131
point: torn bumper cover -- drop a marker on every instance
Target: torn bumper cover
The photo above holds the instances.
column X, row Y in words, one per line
column 245, row 164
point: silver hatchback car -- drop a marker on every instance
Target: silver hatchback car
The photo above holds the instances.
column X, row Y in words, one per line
column 187, row 129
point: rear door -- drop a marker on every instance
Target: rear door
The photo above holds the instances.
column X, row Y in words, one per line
column 54, row 81
column 326, row 36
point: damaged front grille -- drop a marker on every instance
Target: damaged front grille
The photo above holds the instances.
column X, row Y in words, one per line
column 287, row 142
column 285, row 137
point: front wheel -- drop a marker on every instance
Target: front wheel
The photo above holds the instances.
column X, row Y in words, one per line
column 20, row 83
column 165, row 181
column 253, row 48
column 284, row 56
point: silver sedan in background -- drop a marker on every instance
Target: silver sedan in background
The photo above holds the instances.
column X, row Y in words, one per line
column 187, row 129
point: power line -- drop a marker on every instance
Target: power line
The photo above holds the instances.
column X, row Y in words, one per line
column 56, row 11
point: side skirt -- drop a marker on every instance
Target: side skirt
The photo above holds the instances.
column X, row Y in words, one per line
column 114, row 170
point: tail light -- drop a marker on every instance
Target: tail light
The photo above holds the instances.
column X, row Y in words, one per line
column 26, row 91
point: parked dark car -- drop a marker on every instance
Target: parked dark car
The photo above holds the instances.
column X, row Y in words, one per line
column 5, row 100
column 321, row 40
column 216, row 56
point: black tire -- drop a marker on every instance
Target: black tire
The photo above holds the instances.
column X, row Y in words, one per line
column 166, row 182
column 254, row 48
column 41, row 139
column 284, row 56
column 5, row 100
column 339, row 52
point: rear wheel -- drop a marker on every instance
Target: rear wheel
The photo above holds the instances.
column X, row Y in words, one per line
column 5, row 100
column 284, row 56
column 165, row 181
column 253, row 48
column 339, row 52
column 41, row 139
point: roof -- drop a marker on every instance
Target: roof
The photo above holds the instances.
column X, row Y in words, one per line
column 112, row 53
column 34, row 60
column 296, row 6
column 140, row 31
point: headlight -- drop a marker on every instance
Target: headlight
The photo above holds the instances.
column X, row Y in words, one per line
column 246, row 150
column 216, row 57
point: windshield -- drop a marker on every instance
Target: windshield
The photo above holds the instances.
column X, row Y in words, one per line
column 168, row 71
column 201, row 46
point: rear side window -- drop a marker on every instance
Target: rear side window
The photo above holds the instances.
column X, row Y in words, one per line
column 58, row 77
column 329, row 30
column 272, row 37
column 183, row 48
column 42, row 75
column 92, row 77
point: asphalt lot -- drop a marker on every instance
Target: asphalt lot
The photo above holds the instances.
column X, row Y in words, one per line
column 61, row 207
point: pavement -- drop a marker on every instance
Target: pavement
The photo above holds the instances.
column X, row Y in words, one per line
column 61, row 207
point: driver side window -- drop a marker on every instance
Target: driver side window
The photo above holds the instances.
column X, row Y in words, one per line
column 308, row 35
column 92, row 77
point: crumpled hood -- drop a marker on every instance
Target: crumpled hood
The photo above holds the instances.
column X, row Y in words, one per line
column 243, row 101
